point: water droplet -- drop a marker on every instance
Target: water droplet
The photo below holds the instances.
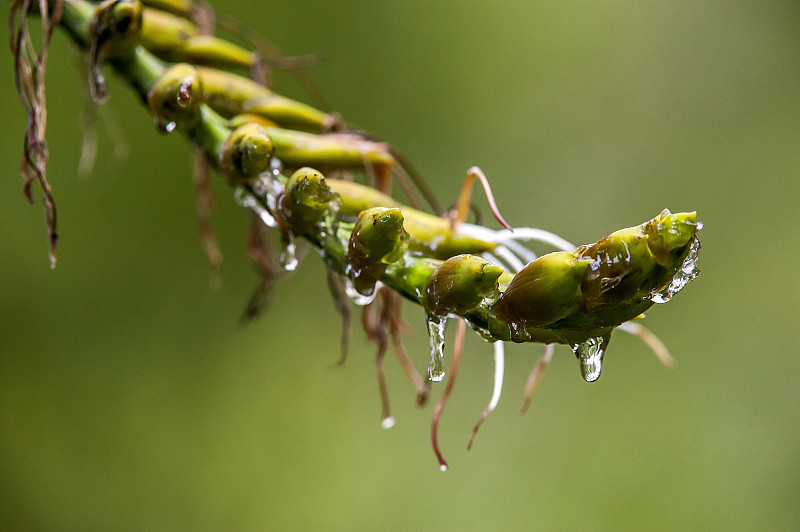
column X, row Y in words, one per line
column 330, row 224
column 590, row 355
column 518, row 332
column 686, row 273
column 436, row 333
column 244, row 198
column 387, row 422
column 184, row 97
column 266, row 186
column 359, row 298
column 443, row 467
column 164, row 126
column 289, row 255
column 276, row 166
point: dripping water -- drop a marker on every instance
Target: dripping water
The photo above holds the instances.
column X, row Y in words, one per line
column 686, row 273
column 436, row 333
column 329, row 225
column 590, row 355
column 164, row 126
column 288, row 256
column 244, row 198
column 360, row 298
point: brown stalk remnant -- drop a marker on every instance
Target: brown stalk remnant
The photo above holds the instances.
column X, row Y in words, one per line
column 205, row 206
column 397, row 327
column 374, row 319
column 342, row 303
column 458, row 347
column 382, row 319
column 536, row 376
column 29, row 74
column 259, row 246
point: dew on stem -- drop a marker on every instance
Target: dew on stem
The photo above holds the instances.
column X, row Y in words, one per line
column 288, row 256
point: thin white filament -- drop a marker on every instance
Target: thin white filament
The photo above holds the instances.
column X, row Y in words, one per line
column 522, row 252
column 531, row 233
column 495, row 260
column 499, row 370
column 509, row 257
column 504, row 236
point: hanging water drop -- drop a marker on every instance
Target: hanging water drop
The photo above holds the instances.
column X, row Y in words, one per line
column 388, row 422
column 364, row 297
column 288, row 256
column 686, row 273
column 164, row 126
column 436, row 333
column 590, row 355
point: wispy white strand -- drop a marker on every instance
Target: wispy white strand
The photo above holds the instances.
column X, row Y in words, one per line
column 531, row 233
column 511, row 259
column 522, row 252
column 504, row 236
column 495, row 260
column 477, row 232
column 499, row 370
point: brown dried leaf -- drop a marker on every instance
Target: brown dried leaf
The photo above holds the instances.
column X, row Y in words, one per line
column 29, row 74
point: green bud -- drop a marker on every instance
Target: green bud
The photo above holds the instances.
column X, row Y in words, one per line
column 175, row 39
column 668, row 234
column 377, row 240
column 113, row 32
column 115, row 23
column 612, row 260
column 460, row 284
column 543, row 292
column 175, row 97
column 305, row 201
column 247, row 152
column 378, row 236
column 603, row 284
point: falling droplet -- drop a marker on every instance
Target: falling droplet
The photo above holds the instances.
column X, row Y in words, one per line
column 436, row 333
column 289, row 255
column 164, row 126
column 590, row 355
column 686, row 273
column 388, row 422
column 359, row 298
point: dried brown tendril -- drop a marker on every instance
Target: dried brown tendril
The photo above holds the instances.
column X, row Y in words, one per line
column 29, row 75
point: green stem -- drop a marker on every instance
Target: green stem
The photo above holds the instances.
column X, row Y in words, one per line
column 432, row 238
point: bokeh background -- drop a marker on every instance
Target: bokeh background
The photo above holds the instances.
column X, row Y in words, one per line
column 131, row 396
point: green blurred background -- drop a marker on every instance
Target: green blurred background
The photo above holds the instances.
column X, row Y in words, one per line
column 131, row 396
